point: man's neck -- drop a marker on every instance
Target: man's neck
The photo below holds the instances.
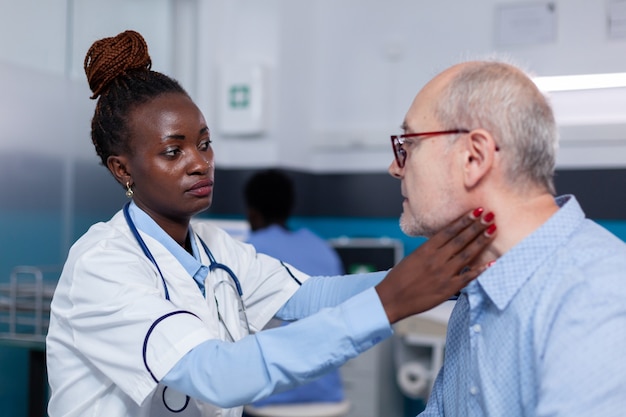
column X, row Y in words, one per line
column 516, row 218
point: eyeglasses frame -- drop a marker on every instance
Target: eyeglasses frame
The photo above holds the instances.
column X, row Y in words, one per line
column 398, row 140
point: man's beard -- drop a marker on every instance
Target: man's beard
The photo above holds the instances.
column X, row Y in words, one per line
column 415, row 227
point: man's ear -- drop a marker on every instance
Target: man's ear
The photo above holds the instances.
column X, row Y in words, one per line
column 479, row 156
column 118, row 166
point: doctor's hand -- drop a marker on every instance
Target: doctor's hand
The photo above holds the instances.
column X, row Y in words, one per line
column 438, row 269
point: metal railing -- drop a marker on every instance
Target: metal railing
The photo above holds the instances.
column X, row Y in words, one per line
column 25, row 303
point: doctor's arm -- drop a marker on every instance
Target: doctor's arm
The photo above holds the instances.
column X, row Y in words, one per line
column 323, row 292
column 422, row 280
column 230, row 374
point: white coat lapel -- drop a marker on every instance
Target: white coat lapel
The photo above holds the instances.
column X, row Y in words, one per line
column 182, row 288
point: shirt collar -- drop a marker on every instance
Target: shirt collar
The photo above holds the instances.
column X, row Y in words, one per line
column 502, row 281
column 146, row 224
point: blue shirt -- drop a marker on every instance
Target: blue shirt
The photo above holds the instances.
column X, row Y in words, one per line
column 543, row 331
column 300, row 248
column 311, row 254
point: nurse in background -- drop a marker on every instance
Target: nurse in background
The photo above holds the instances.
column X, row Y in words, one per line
column 154, row 315
column 270, row 198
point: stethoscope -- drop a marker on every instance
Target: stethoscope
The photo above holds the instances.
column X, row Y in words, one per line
column 213, row 266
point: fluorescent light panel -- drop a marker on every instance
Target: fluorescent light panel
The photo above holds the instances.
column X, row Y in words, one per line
column 580, row 82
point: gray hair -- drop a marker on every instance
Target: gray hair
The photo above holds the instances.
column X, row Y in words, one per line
column 503, row 100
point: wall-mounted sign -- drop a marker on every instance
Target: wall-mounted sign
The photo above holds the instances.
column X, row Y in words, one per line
column 242, row 99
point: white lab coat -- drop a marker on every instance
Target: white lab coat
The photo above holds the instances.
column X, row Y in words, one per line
column 113, row 334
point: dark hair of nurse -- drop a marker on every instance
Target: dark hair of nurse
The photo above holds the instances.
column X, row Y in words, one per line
column 270, row 198
column 148, row 132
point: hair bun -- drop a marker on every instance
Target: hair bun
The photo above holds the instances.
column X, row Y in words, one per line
column 111, row 57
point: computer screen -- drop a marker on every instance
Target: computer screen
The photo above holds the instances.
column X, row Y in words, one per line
column 360, row 255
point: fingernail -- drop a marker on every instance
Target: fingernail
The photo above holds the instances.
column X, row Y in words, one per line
column 488, row 217
column 490, row 230
column 490, row 264
column 476, row 213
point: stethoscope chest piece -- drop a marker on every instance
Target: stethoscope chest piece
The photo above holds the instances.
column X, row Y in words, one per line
column 174, row 401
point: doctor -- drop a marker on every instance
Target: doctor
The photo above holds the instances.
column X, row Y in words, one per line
column 156, row 316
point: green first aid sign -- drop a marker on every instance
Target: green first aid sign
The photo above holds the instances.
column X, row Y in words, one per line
column 239, row 96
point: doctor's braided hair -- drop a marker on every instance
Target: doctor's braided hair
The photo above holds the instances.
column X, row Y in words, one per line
column 119, row 75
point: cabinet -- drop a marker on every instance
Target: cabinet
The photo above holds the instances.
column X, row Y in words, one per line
column 370, row 383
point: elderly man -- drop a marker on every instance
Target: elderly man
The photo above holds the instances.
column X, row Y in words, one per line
column 543, row 331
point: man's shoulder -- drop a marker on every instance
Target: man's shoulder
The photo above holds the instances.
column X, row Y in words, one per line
column 591, row 258
column 595, row 242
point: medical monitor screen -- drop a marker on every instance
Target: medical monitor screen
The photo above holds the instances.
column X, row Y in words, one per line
column 360, row 255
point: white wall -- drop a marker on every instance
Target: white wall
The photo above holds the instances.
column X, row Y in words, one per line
column 344, row 73
column 341, row 72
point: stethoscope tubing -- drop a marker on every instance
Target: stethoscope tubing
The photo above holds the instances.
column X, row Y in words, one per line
column 144, row 247
column 213, row 264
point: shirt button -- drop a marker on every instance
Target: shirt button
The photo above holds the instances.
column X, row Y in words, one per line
column 476, row 328
column 474, row 390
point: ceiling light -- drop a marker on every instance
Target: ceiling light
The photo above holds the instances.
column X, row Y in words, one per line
column 580, row 82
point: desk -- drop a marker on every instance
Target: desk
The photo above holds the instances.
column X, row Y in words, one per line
column 37, row 372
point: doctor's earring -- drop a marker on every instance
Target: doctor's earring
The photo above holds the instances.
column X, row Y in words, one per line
column 129, row 191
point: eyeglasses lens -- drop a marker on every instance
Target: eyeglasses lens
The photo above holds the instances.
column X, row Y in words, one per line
column 399, row 153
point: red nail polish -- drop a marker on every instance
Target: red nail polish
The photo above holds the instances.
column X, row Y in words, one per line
column 476, row 213
column 490, row 230
column 490, row 263
column 488, row 217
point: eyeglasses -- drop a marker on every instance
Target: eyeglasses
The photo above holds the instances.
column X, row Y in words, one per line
column 398, row 140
